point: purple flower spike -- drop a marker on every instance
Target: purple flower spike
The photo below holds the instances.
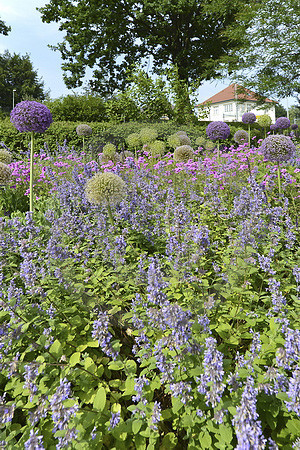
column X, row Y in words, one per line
column 217, row 130
column 31, row 116
column 248, row 117
column 282, row 123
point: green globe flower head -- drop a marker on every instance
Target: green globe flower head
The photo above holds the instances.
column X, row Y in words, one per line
column 184, row 139
column 157, row 147
column 209, row 145
column 84, row 130
column 114, row 157
column 134, row 140
column 109, row 149
column 148, row 135
column 174, row 140
column 200, row 141
column 105, row 188
column 264, row 121
column 5, row 173
column 241, row 137
column 5, row 156
column 183, row 153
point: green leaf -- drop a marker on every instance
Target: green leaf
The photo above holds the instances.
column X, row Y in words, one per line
column 56, row 349
column 176, row 404
column 130, row 366
column 293, row 426
column 115, row 365
column 169, row 441
column 75, row 358
column 136, row 426
column 100, row 399
column 205, row 440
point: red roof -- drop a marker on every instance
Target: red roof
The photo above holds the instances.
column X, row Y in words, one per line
column 231, row 93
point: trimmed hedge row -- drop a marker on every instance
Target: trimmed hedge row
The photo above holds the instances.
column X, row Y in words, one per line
column 103, row 133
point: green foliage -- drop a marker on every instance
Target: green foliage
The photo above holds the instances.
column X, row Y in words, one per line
column 141, row 30
column 78, row 108
column 17, row 73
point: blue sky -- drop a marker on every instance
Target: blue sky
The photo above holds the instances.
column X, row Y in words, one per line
column 30, row 35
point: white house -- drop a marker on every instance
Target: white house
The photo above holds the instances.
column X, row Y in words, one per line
column 229, row 105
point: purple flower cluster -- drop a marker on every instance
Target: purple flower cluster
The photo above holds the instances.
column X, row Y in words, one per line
column 282, row 123
column 247, row 426
column 210, row 383
column 294, row 126
column 278, row 148
column 248, row 117
column 114, row 420
column 102, row 335
column 30, row 375
column 34, row 442
column 31, row 116
column 217, row 130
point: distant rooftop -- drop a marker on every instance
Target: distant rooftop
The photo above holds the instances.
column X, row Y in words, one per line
column 232, row 93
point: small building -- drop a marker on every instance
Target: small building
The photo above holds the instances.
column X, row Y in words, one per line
column 230, row 104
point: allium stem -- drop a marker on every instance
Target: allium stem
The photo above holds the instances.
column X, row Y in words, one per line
column 111, row 219
column 218, row 147
column 279, row 182
column 31, row 173
column 249, row 136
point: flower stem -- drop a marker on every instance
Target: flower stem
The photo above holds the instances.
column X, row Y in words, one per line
column 279, row 182
column 111, row 219
column 31, row 173
column 249, row 136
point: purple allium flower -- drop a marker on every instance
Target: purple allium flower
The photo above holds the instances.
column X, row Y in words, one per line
column 282, row 123
column 248, row 117
column 273, row 127
column 114, row 420
column 31, row 116
column 294, row 126
column 217, row 130
column 34, row 442
column 241, row 136
column 278, row 148
column 84, row 130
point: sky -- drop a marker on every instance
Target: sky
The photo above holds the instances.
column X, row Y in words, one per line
column 29, row 35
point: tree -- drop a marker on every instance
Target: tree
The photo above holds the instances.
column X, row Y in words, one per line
column 268, row 59
column 16, row 72
column 112, row 36
column 4, row 29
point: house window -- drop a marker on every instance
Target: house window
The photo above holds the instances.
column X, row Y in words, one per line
column 228, row 107
column 215, row 110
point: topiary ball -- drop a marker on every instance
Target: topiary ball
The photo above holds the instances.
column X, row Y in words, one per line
column 105, row 188
column 183, row 153
column 5, row 156
column 5, row 173
column 241, row 136
column 217, row 130
column 84, row 130
column 248, row 117
column 31, row 116
column 277, row 148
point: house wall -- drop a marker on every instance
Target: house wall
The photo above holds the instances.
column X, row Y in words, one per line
column 232, row 111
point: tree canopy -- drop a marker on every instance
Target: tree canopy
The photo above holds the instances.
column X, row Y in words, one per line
column 111, row 36
column 268, row 59
column 4, row 29
column 16, row 72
